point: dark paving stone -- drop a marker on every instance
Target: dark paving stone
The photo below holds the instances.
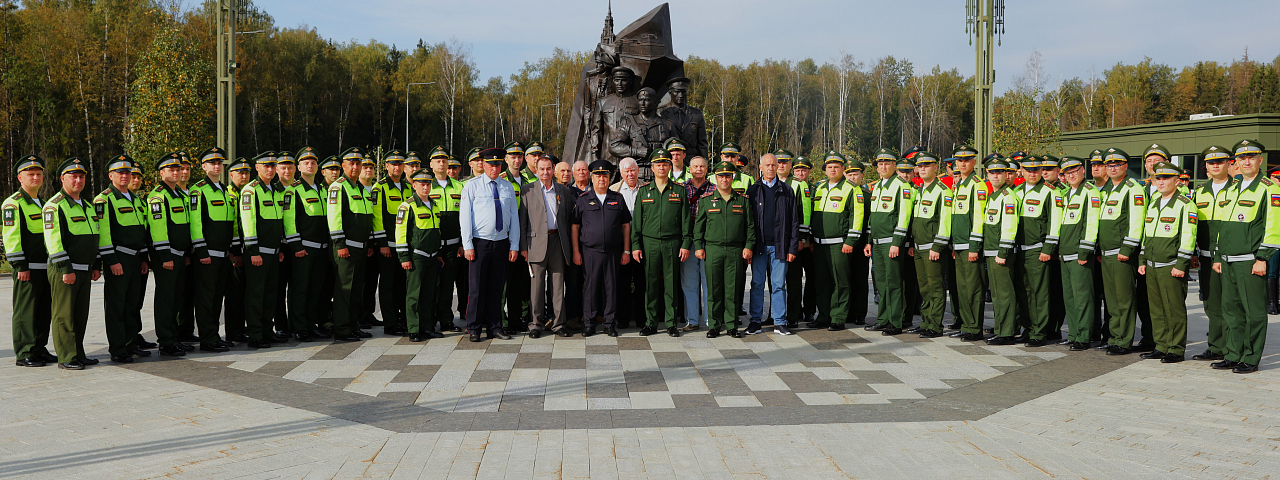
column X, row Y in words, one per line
column 723, row 383
column 684, row 401
column 490, row 375
column 607, row 390
column 882, row 358
column 912, row 338
column 602, row 349
column 645, row 382
column 503, row 348
column 569, row 363
column 1007, row 369
column 416, row 373
column 630, row 343
column 673, row 360
column 337, row 351
column 588, row 419
column 779, row 398
column 533, row 360
column 971, row 350
column 277, row 369
column 959, row 382
column 876, row 376
column 539, row 420
column 496, row 421
column 406, row 398
column 390, row 362
column 740, row 353
column 521, row 403
column 466, row 344
column 819, row 363
column 803, row 382
column 849, row 386
column 405, row 341
column 929, row 392
column 338, row 383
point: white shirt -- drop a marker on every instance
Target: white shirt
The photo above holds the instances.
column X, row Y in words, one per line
column 601, row 197
column 629, row 194
column 1217, row 187
column 549, row 198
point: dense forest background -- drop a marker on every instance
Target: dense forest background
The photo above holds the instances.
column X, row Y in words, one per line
column 93, row 78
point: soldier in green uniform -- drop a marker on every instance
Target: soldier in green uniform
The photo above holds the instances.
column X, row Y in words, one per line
column 679, row 171
column 1051, row 177
column 122, row 245
column 1119, row 238
column 1168, row 243
column 859, row 261
column 910, row 295
column 350, row 217
column 970, row 193
column 71, row 234
column 931, row 227
column 187, row 311
column 25, row 250
column 724, row 235
column 1249, row 233
column 306, row 236
column 1073, row 236
column 519, row 305
column 1033, row 262
column 836, row 225
column 446, row 193
column 412, row 162
column 418, row 247
column 169, row 223
column 1206, row 198
column 1098, row 169
column 661, row 236
column 388, row 194
column 286, row 173
column 891, row 207
column 732, row 153
column 1000, row 227
column 213, row 224
column 789, row 171
column 262, row 219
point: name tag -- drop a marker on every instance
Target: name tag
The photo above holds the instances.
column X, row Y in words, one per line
column 217, row 203
column 78, row 219
column 125, row 209
column 646, row 200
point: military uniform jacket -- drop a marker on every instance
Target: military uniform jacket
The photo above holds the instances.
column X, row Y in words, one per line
column 1000, row 222
column 262, row 217
column 122, row 225
column 601, row 222
column 517, row 182
column 838, row 213
column 1073, row 223
column 446, row 201
column 724, row 223
column 741, row 182
column 804, row 195
column 891, row 207
column 1250, row 228
column 23, row 233
column 1169, row 233
column 966, row 213
column 661, row 215
column 350, row 214
column 1037, row 202
column 1120, row 226
column 388, row 197
column 169, row 221
column 1207, row 205
column 306, row 223
column 213, row 221
column 417, row 230
column 931, row 217
column 71, row 234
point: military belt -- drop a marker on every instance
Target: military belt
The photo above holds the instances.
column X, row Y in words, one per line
column 1071, row 258
column 1033, row 246
column 1239, row 258
column 311, row 244
column 422, row 253
column 925, row 246
column 453, row 241
column 829, row 241
column 37, row 266
column 882, row 241
column 266, row 250
column 1206, row 253
column 217, row 253
column 1109, row 253
column 126, row 250
column 1160, row 264
column 962, row 246
column 991, row 253
column 353, row 243
column 80, row 266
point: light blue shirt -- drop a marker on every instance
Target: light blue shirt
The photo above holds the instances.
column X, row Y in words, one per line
column 477, row 216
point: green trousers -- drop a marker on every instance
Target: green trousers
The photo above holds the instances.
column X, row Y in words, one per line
column 69, row 311
column 1003, row 297
column 307, row 289
column 933, row 289
column 726, row 280
column 1034, row 295
column 971, row 284
column 888, row 275
column 1244, row 309
column 31, row 314
column 859, row 289
column 348, row 291
column 1077, row 298
column 122, row 307
column 211, row 289
column 1211, row 284
column 420, row 289
column 832, row 281
column 1118, row 287
column 910, row 296
column 662, row 275
column 260, row 297
column 1167, row 299
column 170, row 290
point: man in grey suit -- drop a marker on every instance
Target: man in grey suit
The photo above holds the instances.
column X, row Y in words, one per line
column 546, row 214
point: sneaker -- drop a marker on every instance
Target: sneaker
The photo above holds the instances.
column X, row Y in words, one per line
column 781, row 330
column 753, row 328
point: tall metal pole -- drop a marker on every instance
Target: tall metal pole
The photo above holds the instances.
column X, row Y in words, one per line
column 226, row 75
column 406, row 113
column 1113, row 110
column 984, row 23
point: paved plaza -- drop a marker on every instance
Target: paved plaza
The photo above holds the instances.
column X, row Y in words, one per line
column 819, row 404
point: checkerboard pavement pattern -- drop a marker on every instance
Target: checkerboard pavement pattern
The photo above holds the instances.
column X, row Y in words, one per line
column 813, row 367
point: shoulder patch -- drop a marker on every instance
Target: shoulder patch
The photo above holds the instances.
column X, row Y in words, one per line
column 1267, row 181
column 1138, row 200
column 10, row 215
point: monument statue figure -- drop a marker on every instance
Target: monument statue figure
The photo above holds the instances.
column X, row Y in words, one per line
column 638, row 134
column 610, row 110
column 686, row 121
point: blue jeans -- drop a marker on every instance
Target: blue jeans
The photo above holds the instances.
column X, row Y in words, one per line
column 693, row 281
column 766, row 266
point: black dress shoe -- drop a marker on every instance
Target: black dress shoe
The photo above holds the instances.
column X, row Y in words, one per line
column 612, row 332
column 648, row 330
column 30, row 362
column 1103, row 346
column 303, row 337
column 875, row 327
column 1207, row 355
column 817, row 324
column 455, row 329
column 88, row 361
column 499, row 334
column 280, row 337
column 956, row 334
column 1144, row 347
column 350, row 337
column 414, row 337
column 172, row 351
column 1000, row 341
column 362, row 334
column 1066, row 342
column 74, row 365
column 930, row 334
column 259, row 344
column 1114, row 350
column 1053, row 336
column 241, row 338
column 145, row 344
column 189, row 338
column 1224, row 365
column 395, row 330
column 375, row 322
column 1152, row 355
column 475, row 336
column 226, row 343
column 713, row 333
column 122, row 358
column 835, row 327
column 915, row 330
column 733, row 332
column 971, row 337
column 1021, row 339
column 1036, row 343
column 215, row 348
column 138, row 352
column 535, row 333
column 890, row 330
column 45, row 357
column 1079, row 347
column 321, row 332
column 1172, row 358
column 1244, row 368
column 185, row 346
column 673, row 332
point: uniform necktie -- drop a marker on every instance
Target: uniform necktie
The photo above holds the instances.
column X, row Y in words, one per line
column 497, row 204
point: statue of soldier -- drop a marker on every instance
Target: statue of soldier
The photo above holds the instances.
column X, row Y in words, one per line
column 687, row 121
column 611, row 109
column 637, row 135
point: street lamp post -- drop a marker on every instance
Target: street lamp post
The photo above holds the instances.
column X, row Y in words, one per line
column 406, row 112
column 1215, row 107
column 713, row 133
column 1113, row 110
column 541, row 137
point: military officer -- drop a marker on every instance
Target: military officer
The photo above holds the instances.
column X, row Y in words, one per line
column 187, row 309
column 1051, row 176
column 679, row 170
column 170, row 227
column 1119, row 238
column 25, row 250
column 732, row 153
column 262, row 220
column 1248, row 235
column 350, row 218
column 331, row 169
column 910, row 295
column 489, row 220
column 519, row 305
column 1000, row 227
column 801, row 298
column 724, row 236
column 836, row 226
column 1098, row 169
column 1206, row 198
column 213, row 224
column 418, row 247
column 661, row 237
column 601, row 234
column 412, row 162
column 286, row 174
column 1168, row 243
column 1033, row 262
column 135, row 188
column 122, row 244
column 931, row 228
column 368, row 180
column 389, row 193
column 71, row 234
column 307, row 241
column 971, row 193
column 891, row 209
column 1073, row 236
column 446, row 198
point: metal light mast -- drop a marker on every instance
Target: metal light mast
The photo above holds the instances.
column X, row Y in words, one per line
column 984, row 23
column 226, row 65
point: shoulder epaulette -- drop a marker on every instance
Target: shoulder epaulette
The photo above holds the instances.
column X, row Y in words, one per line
column 296, row 182
column 201, row 183
column 340, row 180
column 1183, row 198
column 1132, row 183
column 158, row 189
column 56, row 198
column 16, row 196
column 1267, row 181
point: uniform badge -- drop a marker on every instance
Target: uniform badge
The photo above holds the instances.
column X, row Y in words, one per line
column 1192, row 217
column 1168, row 227
column 1111, row 211
column 10, row 216
column 1137, row 200
column 906, row 194
column 1095, row 202
column 1275, row 200
column 1010, row 209
column 400, row 217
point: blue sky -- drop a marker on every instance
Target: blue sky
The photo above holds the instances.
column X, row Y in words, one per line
column 1072, row 36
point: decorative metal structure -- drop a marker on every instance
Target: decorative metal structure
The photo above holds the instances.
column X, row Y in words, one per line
column 227, row 11
column 984, row 22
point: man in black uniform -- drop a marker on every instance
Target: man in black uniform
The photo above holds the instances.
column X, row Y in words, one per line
column 213, row 229
column 350, row 219
column 601, row 233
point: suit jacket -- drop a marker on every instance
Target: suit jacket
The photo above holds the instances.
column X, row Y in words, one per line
column 533, row 220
